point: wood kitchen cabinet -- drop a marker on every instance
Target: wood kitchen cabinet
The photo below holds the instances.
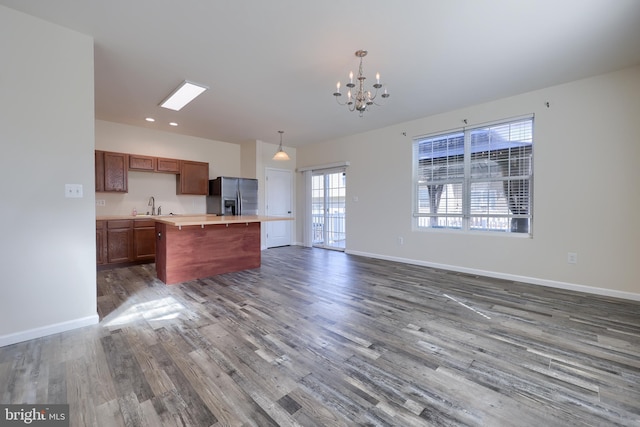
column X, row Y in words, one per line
column 111, row 171
column 144, row 240
column 125, row 241
column 119, row 241
column 99, row 170
column 167, row 165
column 101, row 242
column 138, row 162
column 193, row 178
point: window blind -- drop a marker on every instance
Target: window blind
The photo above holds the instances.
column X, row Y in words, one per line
column 476, row 179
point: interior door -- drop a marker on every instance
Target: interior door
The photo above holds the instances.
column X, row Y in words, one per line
column 279, row 203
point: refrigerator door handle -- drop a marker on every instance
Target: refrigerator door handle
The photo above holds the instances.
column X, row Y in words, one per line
column 239, row 202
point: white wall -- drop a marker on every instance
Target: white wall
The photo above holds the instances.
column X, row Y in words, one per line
column 47, row 250
column 586, row 195
column 223, row 159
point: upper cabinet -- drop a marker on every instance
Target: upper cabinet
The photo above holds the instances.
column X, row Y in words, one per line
column 142, row 163
column 167, row 165
column 193, row 178
column 99, row 170
column 153, row 164
column 111, row 171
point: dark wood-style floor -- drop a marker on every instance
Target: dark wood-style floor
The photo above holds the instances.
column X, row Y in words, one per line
column 321, row 338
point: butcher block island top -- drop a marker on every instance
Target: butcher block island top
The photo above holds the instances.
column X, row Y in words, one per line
column 188, row 220
column 194, row 247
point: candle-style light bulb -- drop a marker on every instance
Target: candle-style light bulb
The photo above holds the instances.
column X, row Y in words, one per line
column 338, row 87
column 350, row 76
column 349, row 94
column 378, row 78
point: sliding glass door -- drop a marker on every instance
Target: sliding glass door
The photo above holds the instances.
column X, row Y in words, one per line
column 328, row 189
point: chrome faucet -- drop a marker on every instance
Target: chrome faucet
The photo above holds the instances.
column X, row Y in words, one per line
column 152, row 203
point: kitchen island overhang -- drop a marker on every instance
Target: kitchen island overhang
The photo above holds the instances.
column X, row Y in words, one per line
column 199, row 246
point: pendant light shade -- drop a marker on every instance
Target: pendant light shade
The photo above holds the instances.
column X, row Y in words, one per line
column 280, row 154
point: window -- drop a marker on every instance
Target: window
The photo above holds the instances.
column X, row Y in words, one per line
column 476, row 179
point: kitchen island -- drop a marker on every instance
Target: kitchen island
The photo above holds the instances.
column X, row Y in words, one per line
column 193, row 247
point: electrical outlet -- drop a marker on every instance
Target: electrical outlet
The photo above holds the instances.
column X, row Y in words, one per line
column 572, row 258
column 400, row 240
column 101, row 202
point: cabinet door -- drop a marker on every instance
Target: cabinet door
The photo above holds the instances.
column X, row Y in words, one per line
column 99, row 170
column 142, row 163
column 144, row 243
column 144, row 240
column 115, row 172
column 193, row 178
column 101, row 243
column 119, row 241
column 168, row 165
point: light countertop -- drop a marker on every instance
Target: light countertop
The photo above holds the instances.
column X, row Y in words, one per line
column 198, row 219
column 181, row 221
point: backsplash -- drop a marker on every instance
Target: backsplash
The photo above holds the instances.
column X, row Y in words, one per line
column 143, row 185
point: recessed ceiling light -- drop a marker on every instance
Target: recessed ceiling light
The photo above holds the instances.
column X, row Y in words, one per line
column 184, row 94
column 173, row 124
column 150, row 119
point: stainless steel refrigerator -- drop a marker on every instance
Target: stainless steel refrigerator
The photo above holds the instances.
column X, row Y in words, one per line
column 232, row 196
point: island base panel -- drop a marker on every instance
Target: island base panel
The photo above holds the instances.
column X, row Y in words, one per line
column 195, row 252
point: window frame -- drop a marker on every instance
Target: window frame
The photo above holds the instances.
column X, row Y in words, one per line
column 461, row 220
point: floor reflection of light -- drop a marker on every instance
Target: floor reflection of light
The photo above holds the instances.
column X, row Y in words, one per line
column 468, row 307
column 159, row 309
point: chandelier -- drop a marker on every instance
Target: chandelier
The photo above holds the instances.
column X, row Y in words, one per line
column 359, row 99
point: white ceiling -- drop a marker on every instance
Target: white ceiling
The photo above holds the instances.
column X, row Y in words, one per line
column 273, row 65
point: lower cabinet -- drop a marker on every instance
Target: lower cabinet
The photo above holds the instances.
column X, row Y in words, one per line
column 125, row 241
column 101, row 242
column 119, row 241
column 144, row 240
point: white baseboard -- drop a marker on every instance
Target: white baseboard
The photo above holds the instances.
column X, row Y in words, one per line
column 513, row 277
column 48, row 330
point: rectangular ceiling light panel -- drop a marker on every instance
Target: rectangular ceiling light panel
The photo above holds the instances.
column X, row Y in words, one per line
column 184, row 94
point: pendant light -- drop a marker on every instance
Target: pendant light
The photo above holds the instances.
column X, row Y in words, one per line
column 280, row 154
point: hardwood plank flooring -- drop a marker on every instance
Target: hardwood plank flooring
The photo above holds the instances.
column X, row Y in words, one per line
column 322, row 338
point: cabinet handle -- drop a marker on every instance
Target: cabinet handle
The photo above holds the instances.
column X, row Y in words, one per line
column 159, row 235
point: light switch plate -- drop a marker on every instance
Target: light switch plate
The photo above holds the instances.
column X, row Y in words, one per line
column 73, row 190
